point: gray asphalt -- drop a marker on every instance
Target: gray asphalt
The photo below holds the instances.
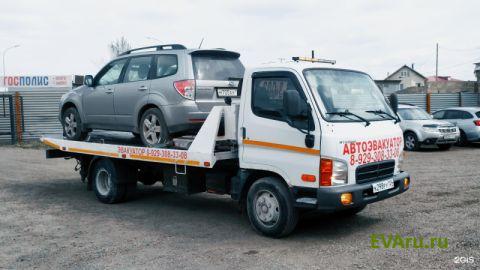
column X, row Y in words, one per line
column 49, row 221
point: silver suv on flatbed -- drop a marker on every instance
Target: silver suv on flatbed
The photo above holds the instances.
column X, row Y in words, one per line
column 153, row 92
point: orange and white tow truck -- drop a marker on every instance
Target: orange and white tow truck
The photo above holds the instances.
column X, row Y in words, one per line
column 300, row 135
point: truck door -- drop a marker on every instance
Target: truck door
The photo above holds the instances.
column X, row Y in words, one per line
column 268, row 141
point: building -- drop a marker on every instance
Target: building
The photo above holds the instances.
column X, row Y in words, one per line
column 408, row 77
column 388, row 86
column 441, row 79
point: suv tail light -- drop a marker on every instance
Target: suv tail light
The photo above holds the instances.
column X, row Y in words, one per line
column 186, row 88
column 477, row 123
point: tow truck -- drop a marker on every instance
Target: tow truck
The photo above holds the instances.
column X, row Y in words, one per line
column 292, row 137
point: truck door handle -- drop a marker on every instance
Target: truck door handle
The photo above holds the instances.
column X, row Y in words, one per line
column 142, row 88
column 109, row 91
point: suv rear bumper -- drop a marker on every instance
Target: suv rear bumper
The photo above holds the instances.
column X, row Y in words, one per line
column 328, row 199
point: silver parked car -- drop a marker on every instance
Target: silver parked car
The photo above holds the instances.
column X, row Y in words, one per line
column 466, row 118
column 420, row 129
column 153, row 92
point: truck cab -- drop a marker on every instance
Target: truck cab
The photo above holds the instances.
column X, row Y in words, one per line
column 327, row 132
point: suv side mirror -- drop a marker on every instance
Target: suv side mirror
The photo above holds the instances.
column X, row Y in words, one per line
column 293, row 104
column 394, row 102
column 88, row 80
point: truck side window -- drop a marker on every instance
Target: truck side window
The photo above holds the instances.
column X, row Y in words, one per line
column 267, row 96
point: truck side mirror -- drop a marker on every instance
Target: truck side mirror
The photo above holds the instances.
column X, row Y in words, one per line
column 394, row 102
column 88, row 80
column 293, row 104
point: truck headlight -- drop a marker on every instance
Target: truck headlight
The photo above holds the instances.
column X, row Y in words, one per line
column 333, row 172
column 400, row 161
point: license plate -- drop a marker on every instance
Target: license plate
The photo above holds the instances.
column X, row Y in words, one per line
column 381, row 186
column 449, row 136
column 227, row 92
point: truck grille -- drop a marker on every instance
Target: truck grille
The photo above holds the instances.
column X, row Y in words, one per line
column 374, row 171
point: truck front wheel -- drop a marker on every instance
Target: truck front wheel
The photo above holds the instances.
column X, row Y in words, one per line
column 270, row 208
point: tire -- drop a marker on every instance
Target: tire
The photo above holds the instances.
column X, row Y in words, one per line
column 106, row 184
column 351, row 211
column 72, row 125
column 462, row 141
column 270, row 208
column 444, row 147
column 153, row 134
column 411, row 142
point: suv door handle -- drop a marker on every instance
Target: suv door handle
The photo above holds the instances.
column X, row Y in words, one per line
column 142, row 88
column 109, row 91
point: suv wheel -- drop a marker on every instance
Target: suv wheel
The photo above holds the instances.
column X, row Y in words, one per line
column 411, row 141
column 462, row 141
column 153, row 130
column 72, row 125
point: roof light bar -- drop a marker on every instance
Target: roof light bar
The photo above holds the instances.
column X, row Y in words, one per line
column 313, row 60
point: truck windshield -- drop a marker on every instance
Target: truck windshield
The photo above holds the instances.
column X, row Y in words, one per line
column 348, row 91
column 414, row 114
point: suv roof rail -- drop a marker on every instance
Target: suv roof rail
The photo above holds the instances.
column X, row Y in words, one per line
column 409, row 104
column 158, row 48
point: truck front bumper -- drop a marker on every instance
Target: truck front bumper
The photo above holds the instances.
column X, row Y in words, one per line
column 327, row 199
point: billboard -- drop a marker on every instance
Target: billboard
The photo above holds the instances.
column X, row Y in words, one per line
column 37, row 81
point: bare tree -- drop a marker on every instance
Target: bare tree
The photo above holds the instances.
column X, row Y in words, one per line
column 119, row 46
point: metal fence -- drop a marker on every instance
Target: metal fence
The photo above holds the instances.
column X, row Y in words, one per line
column 40, row 113
column 7, row 119
column 434, row 102
column 419, row 100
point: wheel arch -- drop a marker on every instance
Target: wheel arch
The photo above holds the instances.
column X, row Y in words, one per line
column 412, row 131
column 141, row 111
column 246, row 178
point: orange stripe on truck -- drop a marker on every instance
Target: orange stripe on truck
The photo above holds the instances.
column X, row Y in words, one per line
column 92, row 152
column 282, row 147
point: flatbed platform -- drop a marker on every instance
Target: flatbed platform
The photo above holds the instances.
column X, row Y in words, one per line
column 204, row 150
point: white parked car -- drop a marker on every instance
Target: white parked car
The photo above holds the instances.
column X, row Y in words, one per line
column 419, row 128
column 466, row 118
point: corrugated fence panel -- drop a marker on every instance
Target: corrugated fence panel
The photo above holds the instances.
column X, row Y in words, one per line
column 414, row 99
column 442, row 101
column 40, row 109
column 5, row 121
column 469, row 99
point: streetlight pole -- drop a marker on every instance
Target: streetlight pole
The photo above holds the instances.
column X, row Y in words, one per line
column 4, row 52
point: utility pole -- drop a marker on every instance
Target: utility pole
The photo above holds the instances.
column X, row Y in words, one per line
column 436, row 64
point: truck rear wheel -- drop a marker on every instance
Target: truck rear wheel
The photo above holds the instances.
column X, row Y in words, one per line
column 106, row 184
column 270, row 208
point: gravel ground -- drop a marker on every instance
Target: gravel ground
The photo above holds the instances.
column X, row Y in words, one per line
column 48, row 220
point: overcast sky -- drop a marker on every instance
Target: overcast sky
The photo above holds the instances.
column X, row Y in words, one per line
column 72, row 37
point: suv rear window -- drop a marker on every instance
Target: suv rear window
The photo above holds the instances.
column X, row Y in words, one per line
column 217, row 67
column 477, row 114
